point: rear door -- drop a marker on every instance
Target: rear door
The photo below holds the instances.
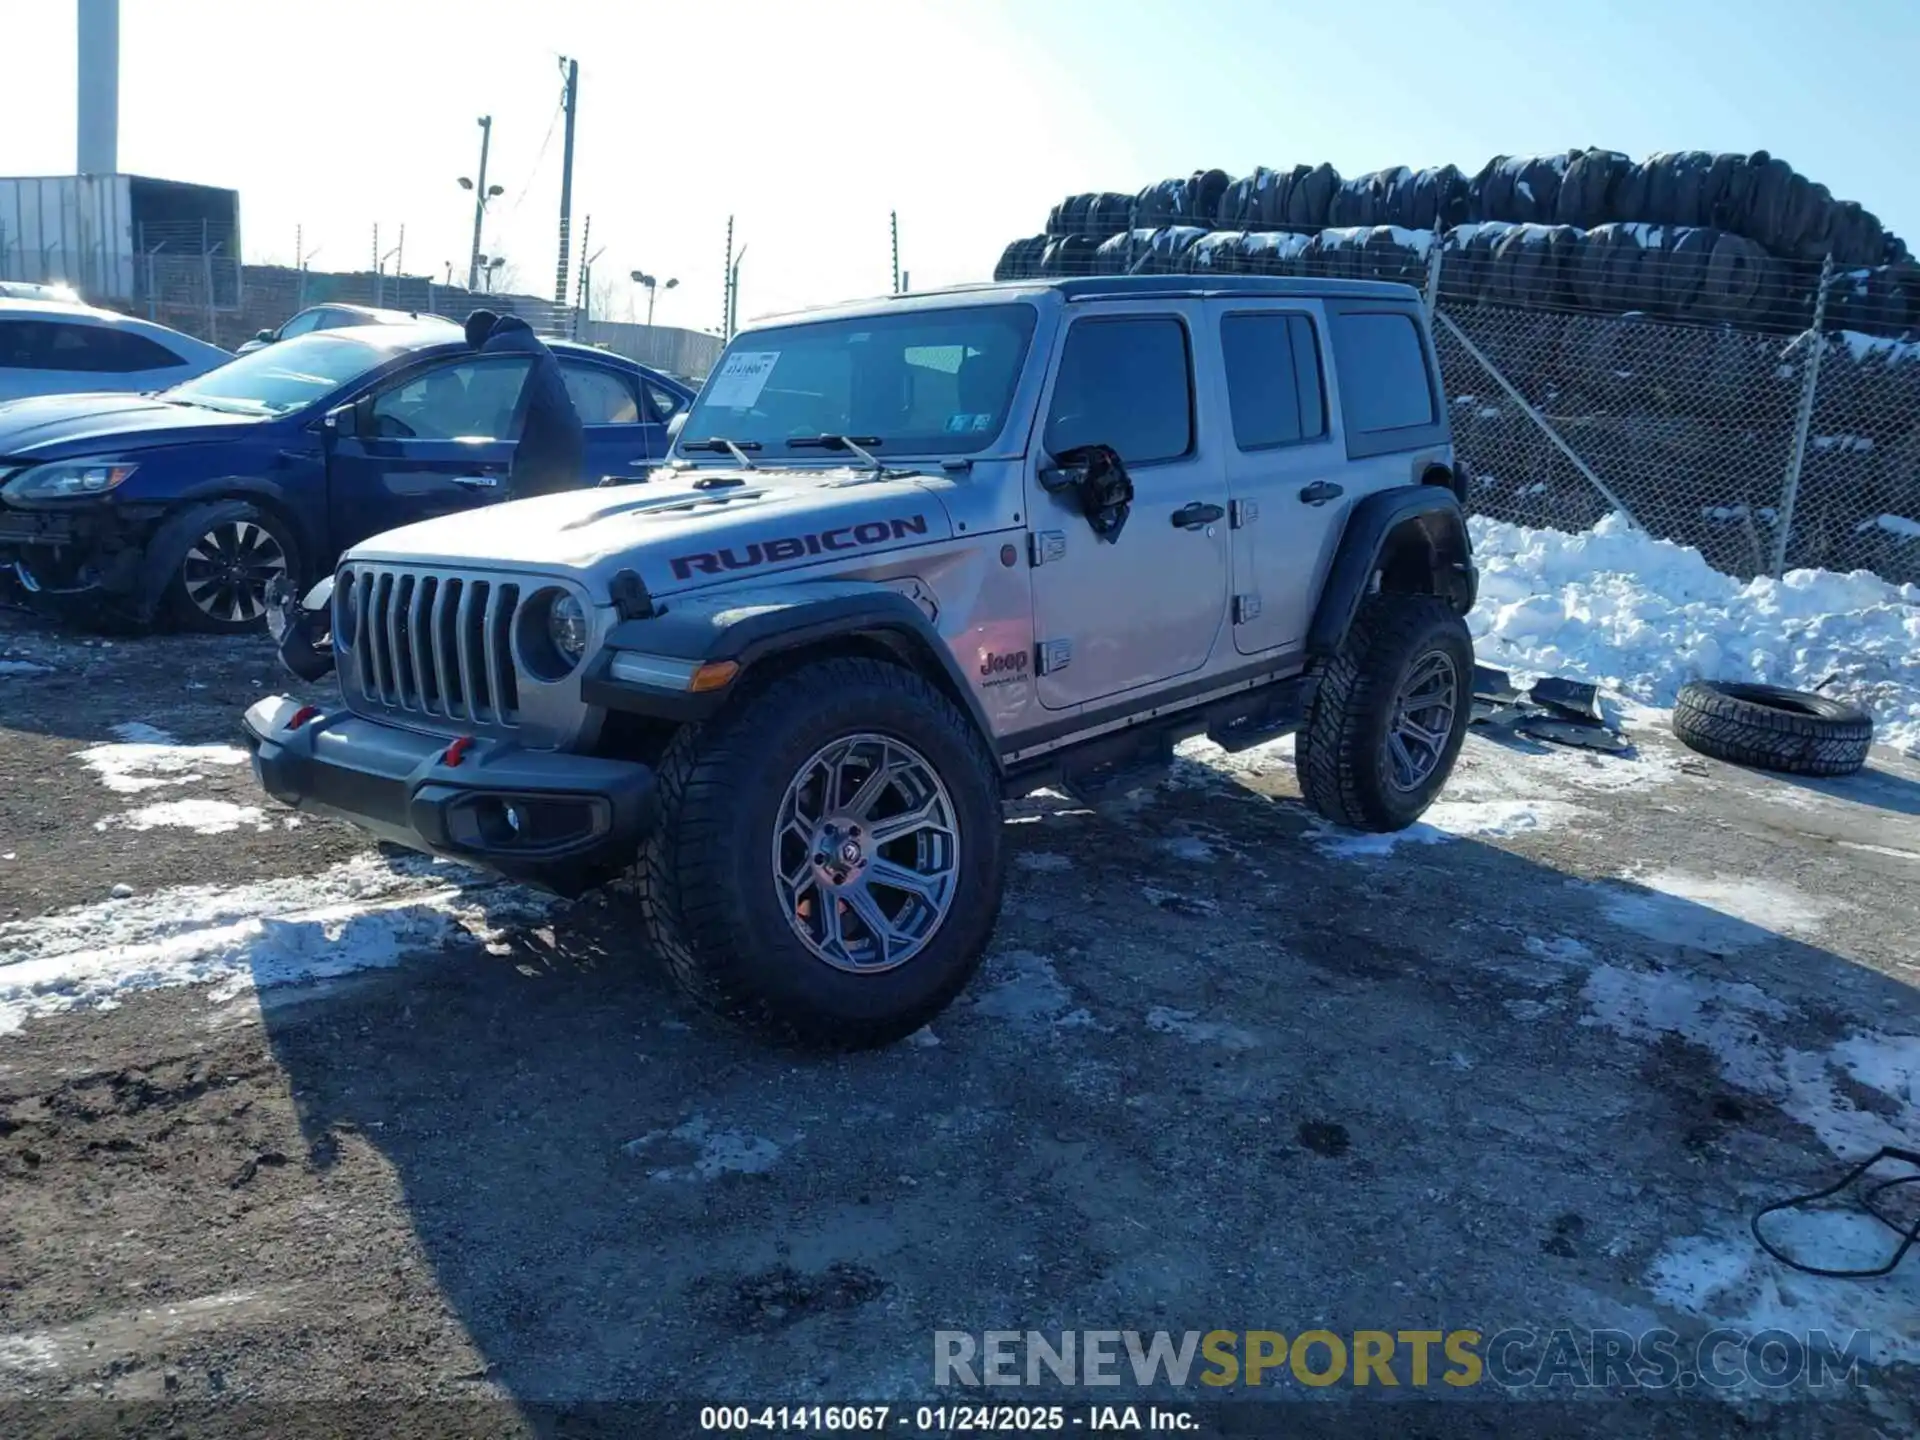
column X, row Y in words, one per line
column 1284, row 468
column 435, row 441
column 621, row 436
column 51, row 357
column 1112, row 616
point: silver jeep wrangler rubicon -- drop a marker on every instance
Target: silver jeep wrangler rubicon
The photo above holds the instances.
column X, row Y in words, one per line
column 909, row 557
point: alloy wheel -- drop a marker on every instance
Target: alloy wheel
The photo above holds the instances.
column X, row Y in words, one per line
column 227, row 571
column 1422, row 722
column 866, row 853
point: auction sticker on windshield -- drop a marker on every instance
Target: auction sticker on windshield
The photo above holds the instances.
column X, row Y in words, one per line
column 741, row 379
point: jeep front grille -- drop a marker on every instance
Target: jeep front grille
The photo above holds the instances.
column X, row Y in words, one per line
column 432, row 644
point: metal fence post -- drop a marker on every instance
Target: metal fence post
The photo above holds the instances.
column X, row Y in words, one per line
column 206, row 276
column 1433, row 273
column 1809, row 386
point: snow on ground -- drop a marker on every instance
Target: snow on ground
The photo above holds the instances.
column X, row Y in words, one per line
column 1722, row 1275
column 23, row 667
column 203, row 817
column 364, row 913
column 147, row 758
column 1643, row 616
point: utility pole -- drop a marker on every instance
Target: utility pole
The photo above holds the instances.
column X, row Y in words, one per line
column 733, row 290
column 580, row 285
column 479, row 203
column 726, row 298
column 572, row 69
column 893, row 220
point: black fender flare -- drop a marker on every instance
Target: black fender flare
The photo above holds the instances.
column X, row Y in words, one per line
column 1378, row 523
column 752, row 626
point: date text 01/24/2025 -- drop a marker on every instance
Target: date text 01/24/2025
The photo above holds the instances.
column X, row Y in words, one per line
column 947, row 1419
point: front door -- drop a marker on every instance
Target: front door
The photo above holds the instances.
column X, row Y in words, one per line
column 430, row 443
column 1111, row 616
column 1284, row 470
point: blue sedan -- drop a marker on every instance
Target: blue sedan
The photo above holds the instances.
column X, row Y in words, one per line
column 188, row 503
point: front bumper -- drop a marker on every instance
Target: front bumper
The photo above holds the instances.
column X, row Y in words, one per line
column 63, row 562
column 563, row 822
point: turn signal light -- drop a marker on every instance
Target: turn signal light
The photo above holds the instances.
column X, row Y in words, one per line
column 713, row 675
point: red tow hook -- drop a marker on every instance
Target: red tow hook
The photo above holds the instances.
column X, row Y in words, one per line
column 457, row 751
column 302, row 715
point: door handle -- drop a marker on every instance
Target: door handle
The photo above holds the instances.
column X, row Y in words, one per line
column 1320, row 492
column 478, row 482
column 1197, row 515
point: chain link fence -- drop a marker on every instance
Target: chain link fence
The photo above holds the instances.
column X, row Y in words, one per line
column 1764, row 452
column 1768, row 445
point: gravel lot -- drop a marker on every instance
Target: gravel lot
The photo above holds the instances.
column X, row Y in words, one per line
column 415, row 1136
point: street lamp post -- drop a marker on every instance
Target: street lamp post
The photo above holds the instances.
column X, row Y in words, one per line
column 488, row 268
column 640, row 277
column 482, row 193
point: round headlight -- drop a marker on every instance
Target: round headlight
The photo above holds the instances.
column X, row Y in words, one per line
column 567, row 628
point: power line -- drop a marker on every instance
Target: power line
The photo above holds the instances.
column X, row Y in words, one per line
column 534, row 174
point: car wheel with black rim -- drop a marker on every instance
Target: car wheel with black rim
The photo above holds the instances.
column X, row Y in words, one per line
column 1389, row 714
column 233, row 551
column 826, row 867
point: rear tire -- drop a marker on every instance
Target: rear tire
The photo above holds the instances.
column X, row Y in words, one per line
column 1795, row 732
column 1405, row 670
column 739, row 818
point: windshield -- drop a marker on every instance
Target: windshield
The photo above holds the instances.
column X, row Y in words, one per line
column 925, row 382
column 281, row 378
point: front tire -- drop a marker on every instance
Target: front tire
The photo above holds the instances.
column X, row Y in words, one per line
column 1390, row 714
column 233, row 552
column 826, row 865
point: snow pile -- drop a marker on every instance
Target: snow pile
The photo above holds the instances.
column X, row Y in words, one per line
column 1643, row 616
column 364, row 913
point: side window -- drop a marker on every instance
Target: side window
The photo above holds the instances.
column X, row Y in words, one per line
column 600, row 396
column 19, row 345
column 468, row 400
column 303, row 322
column 100, row 350
column 1124, row 383
column 1383, row 372
column 1273, row 380
column 663, row 403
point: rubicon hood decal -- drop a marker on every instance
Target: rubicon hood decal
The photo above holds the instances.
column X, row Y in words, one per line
column 792, row 547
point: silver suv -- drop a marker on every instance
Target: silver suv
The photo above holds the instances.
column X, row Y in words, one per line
column 909, row 557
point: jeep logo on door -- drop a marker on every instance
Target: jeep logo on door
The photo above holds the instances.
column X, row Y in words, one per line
column 793, row 547
column 1006, row 668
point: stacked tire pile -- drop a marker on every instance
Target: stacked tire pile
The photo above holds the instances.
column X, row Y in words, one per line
column 1689, row 235
column 1580, row 257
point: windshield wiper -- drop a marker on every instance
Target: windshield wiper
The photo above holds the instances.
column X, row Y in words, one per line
column 719, row 443
column 856, row 443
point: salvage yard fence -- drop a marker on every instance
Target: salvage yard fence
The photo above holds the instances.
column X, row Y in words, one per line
column 1766, row 448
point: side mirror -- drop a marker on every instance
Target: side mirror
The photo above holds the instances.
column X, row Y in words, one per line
column 263, row 336
column 676, row 425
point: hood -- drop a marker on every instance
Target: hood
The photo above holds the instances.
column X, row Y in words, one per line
column 679, row 536
column 54, row 427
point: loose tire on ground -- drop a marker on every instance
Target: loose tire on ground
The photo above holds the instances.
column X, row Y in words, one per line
column 1770, row 728
column 713, row 907
column 1343, row 755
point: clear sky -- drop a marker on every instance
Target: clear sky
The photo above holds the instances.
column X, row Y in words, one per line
column 809, row 121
